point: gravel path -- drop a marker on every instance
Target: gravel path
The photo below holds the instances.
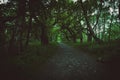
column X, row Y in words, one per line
column 69, row 64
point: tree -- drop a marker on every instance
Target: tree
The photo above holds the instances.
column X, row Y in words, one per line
column 48, row 20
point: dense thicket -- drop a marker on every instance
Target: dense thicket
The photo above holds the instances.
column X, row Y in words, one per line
column 23, row 21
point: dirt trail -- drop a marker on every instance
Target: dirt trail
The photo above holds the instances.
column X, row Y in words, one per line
column 70, row 64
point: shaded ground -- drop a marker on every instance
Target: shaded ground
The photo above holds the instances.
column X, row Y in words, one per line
column 67, row 64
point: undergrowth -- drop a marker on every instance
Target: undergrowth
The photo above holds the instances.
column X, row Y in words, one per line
column 34, row 57
column 105, row 50
column 27, row 64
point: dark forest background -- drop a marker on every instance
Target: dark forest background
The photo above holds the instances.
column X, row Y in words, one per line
column 31, row 30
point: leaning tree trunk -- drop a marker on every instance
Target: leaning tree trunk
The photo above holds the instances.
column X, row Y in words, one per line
column 88, row 24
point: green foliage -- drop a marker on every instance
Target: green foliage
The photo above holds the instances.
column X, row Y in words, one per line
column 55, row 20
column 105, row 50
column 35, row 56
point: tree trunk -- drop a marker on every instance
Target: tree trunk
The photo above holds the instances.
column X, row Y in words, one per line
column 2, row 32
column 89, row 37
column 66, row 35
column 2, row 35
column 12, row 40
column 44, row 31
column 81, row 37
column 109, row 37
column 88, row 24
column 74, row 38
column 103, row 33
column 44, row 35
column 29, row 30
column 73, row 35
column 21, row 22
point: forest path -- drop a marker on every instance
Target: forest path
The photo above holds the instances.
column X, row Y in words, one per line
column 70, row 64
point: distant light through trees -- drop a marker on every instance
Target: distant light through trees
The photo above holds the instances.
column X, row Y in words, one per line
column 3, row 1
column 74, row 0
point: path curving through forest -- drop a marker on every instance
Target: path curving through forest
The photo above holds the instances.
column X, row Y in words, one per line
column 70, row 64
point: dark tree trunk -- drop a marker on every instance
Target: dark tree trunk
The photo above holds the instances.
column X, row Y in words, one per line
column 44, row 35
column 2, row 30
column 44, row 31
column 21, row 22
column 81, row 38
column 103, row 33
column 12, row 40
column 74, row 38
column 30, row 22
column 2, row 35
column 66, row 35
column 89, row 38
column 73, row 35
column 29, row 30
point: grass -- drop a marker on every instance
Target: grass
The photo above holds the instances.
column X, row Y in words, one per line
column 105, row 51
column 36, row 55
